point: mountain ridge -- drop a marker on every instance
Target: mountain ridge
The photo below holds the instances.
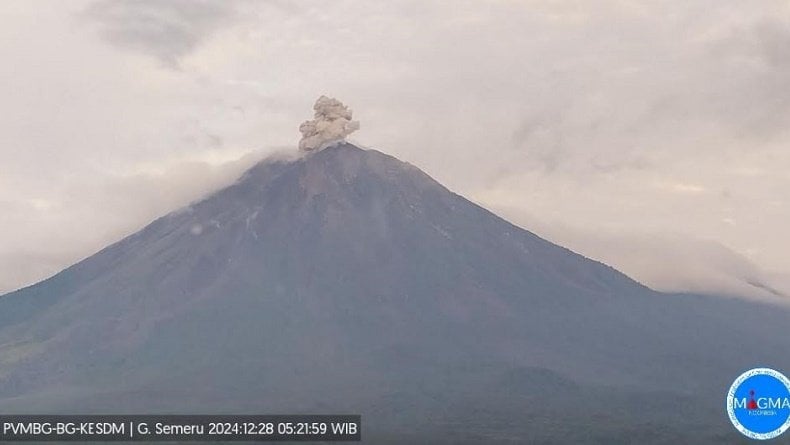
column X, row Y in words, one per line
column 349, row 280
column 268, row 166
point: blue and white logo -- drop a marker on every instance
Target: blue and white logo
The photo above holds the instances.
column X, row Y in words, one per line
column 759, row 403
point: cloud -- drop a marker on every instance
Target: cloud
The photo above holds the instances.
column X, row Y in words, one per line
column 116, row 205
column 659, row 117
column 332, row 123
column 164, row 29
column 668, row 262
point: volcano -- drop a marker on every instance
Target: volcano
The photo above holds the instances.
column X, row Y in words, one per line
column 347, row 281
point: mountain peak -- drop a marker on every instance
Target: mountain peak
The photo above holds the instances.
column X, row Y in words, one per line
column 339, row 168
column 362, row 203
column 347, row 278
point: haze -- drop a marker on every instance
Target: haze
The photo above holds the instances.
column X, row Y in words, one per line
column 652, row 137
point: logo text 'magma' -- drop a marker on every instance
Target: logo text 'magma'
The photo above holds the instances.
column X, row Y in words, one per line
column 764, row 403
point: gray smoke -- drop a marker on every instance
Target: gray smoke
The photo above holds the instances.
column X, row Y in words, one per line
column 331, row 123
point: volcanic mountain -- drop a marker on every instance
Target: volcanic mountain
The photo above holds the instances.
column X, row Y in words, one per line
column 349, row 281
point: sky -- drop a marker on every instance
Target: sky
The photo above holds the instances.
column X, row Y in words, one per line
column 652, row 136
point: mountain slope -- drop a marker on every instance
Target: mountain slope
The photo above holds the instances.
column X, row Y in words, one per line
column 347, row 280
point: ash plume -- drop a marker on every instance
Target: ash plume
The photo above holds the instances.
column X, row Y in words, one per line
column 331, row 123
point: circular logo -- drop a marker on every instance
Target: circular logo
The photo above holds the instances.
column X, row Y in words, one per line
column 759, row 403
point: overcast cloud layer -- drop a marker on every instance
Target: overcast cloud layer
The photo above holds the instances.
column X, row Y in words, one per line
column 649, row 136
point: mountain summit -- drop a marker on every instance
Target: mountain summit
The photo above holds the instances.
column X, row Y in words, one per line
column 349, row 281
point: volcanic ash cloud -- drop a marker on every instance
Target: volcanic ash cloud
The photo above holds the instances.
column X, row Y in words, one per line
column 331, row 123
